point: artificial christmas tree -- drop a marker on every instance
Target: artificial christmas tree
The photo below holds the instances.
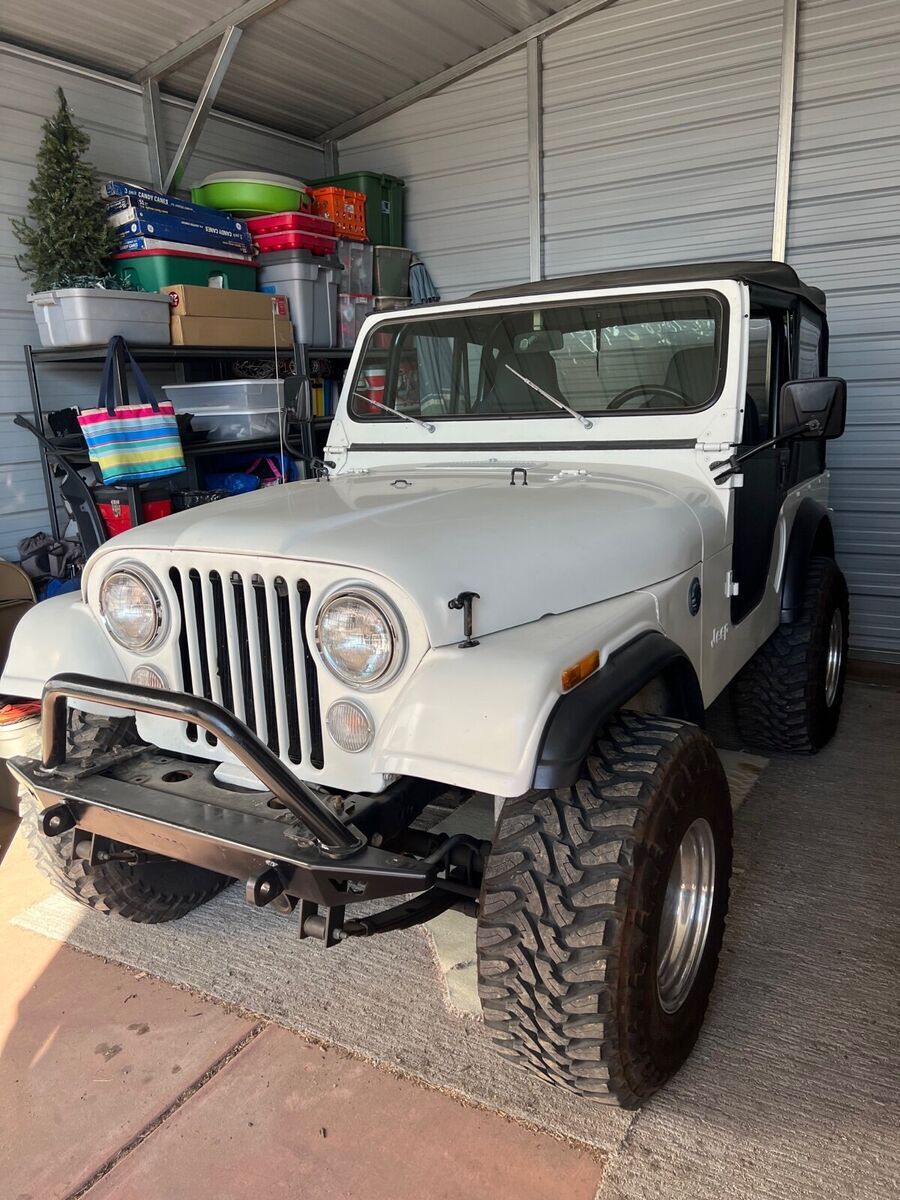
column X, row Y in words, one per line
column 67, row 237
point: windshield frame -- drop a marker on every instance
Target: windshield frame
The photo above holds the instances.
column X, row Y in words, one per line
column 454, row 310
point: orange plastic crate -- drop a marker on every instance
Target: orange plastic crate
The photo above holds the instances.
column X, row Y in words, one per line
column 347, row 210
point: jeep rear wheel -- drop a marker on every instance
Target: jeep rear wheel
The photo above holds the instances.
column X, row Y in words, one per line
column 147, row 893
column 788, row 696
column 603, row 909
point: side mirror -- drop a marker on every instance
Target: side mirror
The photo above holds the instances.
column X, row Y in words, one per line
column 822, row 400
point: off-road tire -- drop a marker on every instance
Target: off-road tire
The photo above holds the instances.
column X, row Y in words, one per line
column 571, row 906
column 779, row 698
column 146, row 893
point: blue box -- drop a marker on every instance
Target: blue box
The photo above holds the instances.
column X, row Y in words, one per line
column 174, row 228
column 206, row 219
column 153, row 205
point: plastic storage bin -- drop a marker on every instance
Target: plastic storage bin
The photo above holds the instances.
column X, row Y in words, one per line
column 250, row 193
column 311, row 285
column 152, row 271
column 115, row 513
column 356, row 259
column 291, row 222
column 315, row 243
column 347, row 209
column 391, row 303
column 91, row 316
column 384, row 203
column 391, row 270
column 352, row 312
column 293, row 231
column 231, row 408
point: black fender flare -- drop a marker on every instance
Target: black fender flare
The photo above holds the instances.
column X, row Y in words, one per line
column 579, row 714
column 811, row 533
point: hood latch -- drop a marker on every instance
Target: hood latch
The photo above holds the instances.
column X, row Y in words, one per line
column 464, row 601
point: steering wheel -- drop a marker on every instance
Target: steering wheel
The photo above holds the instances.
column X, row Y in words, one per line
column 646, row 389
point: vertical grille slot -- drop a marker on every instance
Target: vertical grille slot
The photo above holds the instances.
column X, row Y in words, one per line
column 268, row 680
column 187, row 679
column 243, row 640
column 291, row 696
column 196, row 596
column 220, row 629
column 316, row 754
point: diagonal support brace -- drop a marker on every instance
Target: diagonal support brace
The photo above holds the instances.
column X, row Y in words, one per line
column 201, row 109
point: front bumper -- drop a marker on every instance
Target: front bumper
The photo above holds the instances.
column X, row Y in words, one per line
column 288, row 836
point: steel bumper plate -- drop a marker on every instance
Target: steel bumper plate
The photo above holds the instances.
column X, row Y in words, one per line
column 226, row 840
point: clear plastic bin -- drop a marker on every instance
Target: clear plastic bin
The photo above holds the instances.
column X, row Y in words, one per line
column 231, row 426
column 242, row 396
column 352, row 312
column 356, row 258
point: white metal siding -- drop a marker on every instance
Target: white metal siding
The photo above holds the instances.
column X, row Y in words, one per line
column 114, row 119
column 843, row 234
column 464, row 156
column 660, row 126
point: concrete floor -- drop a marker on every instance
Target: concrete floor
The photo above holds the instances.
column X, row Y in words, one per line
column 117, row 1086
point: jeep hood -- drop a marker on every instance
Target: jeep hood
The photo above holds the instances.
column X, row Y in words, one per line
column 566, row 540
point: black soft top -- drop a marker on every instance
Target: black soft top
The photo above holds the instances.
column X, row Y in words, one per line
column 769, row 274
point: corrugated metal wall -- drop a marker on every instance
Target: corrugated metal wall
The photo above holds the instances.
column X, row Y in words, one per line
column 114, row 120
column 844, row 233
column 660, row 125
column 464, row 156
column 660, row 129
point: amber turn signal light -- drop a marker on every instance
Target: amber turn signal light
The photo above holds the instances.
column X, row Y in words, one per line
column 579, row 671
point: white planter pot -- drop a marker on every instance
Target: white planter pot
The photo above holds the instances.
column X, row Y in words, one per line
column 91, row 316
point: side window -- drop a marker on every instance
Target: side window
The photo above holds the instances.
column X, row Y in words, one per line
column 809, row 336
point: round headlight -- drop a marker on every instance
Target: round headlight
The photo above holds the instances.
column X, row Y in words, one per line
column 131, row 608
column 360, row 639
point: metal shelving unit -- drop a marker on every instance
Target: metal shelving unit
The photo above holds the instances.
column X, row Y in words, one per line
column 214, row 358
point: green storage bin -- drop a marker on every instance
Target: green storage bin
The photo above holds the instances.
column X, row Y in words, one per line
column 151, row 270
column 384, row 203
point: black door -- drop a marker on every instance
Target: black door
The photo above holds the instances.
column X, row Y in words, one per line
column 758, row 503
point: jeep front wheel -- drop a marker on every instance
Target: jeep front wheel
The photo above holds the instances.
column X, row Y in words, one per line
column 603, row 909
column 146, row 892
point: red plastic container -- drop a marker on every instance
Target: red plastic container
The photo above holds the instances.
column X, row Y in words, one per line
column 291, row 222
column 112, row 505
column 315, row 243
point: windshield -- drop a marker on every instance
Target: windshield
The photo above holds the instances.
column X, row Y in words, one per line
column 646, row 354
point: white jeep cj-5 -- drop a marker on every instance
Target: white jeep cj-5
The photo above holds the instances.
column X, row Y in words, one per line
column 553, row 523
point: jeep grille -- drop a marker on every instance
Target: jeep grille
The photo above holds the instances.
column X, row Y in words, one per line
column 243, row 645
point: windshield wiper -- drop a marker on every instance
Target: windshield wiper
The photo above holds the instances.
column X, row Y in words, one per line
column 582, row 420
column 396, row 411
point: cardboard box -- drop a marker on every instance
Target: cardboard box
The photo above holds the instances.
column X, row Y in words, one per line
column 190, row 300
column 231, row 331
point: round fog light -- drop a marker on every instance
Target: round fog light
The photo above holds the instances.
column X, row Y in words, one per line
column 349, row 726
column 149, row 677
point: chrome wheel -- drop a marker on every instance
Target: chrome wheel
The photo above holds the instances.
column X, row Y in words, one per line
column 835, row 656
column 687, row 908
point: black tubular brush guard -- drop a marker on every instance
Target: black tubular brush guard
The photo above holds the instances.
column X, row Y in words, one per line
column 319, row 859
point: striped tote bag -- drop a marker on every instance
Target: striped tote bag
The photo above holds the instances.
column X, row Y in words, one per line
column 131, row 442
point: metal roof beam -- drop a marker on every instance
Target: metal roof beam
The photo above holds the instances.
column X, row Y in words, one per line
column 419, row 91
column 240, row 17
column 202, row 108
column 84, row 71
